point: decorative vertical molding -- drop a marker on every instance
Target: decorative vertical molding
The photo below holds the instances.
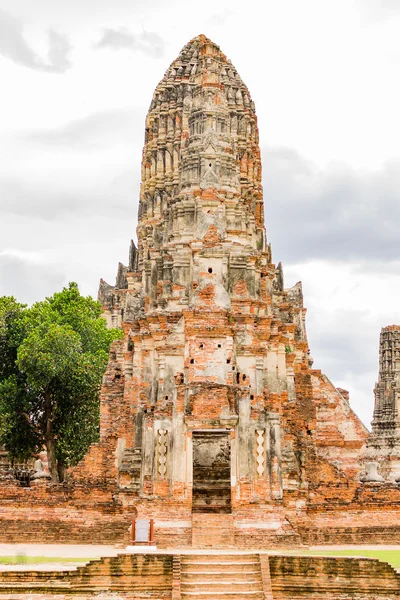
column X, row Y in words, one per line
column 162, row 450
column 260, row 452
column 259, row 374
column 266, row 577
column 176, row 577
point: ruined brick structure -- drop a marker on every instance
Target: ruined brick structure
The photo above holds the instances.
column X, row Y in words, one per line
column 213, row 421
column 383, row 445
column 210, row 403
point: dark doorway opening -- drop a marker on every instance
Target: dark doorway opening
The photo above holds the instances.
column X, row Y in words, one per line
column 211, row 472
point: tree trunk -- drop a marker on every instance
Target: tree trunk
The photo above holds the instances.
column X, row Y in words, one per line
column 50, row 439
column 61, row 469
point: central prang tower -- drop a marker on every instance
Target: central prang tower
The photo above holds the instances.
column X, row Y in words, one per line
column 209, row 404
column 201, row 222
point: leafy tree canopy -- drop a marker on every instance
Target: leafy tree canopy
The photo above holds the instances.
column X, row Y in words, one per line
column 52, row 358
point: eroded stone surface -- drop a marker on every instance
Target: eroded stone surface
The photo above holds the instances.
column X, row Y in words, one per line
column 383, row 446
column 215, row 342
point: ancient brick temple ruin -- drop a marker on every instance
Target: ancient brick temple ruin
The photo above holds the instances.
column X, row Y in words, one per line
column 383, row 444
column 212, row 416
column 213, row 421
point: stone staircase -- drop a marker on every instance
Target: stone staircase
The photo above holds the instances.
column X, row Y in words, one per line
column 212, row 496
column 212, row 530
column 224, row 577
column 130, row 469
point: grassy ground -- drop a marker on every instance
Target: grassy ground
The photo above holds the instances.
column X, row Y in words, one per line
column 390, row 556
column 36, row 560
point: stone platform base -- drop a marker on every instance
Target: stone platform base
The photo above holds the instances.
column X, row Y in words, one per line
column 216, row 574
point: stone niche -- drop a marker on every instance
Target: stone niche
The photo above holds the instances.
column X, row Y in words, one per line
column 211, row 472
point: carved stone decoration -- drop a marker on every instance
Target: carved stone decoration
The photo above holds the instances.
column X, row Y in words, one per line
column 371, row 474
column 162, row 452
column 260, row 451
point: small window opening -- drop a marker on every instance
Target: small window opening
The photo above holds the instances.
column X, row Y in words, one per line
column 233, row 368
column 209, row 269
column 201, row 346
column 251, row 397
column 210, row 164
column 166, row 397
column 244, row 377
column 237, row 377
column 228, row 361
column 192, row 361
column 219, row 345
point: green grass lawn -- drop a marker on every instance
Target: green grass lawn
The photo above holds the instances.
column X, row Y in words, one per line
column 35, row 560
column 390, row 556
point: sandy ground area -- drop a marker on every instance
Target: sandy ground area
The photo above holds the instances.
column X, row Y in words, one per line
column 65, row 550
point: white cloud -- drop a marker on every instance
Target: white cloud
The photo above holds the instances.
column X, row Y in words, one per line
column 14, row 46
column 148, row 42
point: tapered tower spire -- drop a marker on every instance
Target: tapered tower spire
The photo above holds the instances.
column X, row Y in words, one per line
column 201, row 175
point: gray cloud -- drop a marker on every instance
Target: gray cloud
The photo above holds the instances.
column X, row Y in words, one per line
column 27, row 280
column 353, row 341
column 51, row 202
column 148, row 42
column 14, row 47
column 98, row 139
column 336, row 213
column 346, row 348
column 108, row 126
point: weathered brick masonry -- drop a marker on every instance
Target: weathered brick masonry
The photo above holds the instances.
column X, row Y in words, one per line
column 228, row 576
column 210, row 405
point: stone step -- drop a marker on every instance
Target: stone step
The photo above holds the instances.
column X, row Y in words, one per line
column 221, row 574
column 240, row 595
column 221, row 559
column 234, row 569
column 223, row 578
column 213, row 484
column 228, row 586
column 131, row 460
column 200, row 518
column 222, row 493
column 27, row 586
column 219, row 509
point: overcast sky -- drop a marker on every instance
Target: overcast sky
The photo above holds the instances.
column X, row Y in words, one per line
column 76, row 81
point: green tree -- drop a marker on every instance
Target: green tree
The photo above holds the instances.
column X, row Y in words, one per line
column 16, row 431
column 53, row 356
